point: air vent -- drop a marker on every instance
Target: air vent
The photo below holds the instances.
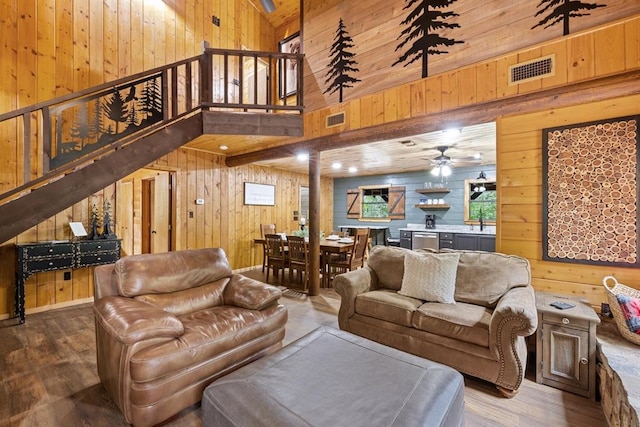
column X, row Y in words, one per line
column 336, row 119
column 532, row 70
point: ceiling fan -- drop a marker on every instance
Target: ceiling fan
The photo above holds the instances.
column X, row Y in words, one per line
column 268, row 5
column 443, row 162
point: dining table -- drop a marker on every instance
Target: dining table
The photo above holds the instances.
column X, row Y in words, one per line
column 327, row 248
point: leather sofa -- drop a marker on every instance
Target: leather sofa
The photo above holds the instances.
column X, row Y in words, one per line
column 169, row 324
column 482, row 334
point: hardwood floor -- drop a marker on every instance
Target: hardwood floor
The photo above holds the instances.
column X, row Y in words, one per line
column 49, row 375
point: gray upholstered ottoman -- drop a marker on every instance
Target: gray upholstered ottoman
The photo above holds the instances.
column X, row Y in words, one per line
column 333, row 378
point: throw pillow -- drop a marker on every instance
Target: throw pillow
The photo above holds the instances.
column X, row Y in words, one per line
column 630, row 308
column 430, row 277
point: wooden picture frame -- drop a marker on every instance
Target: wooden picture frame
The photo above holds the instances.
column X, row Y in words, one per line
column 259, row 194
column 288, row 80
column 590, row 192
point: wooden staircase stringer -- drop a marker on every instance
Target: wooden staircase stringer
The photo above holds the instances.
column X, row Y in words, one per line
column 31, row 209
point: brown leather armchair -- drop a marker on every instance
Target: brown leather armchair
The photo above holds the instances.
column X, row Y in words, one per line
column 168, row 324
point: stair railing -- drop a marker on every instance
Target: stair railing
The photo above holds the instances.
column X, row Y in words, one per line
column 59, row 136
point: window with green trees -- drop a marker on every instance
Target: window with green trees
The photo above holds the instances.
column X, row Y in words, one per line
column 480, row 201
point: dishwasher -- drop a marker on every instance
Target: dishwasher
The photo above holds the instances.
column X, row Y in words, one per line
column 424, row 240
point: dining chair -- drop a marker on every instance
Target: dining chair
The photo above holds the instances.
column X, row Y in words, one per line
column 264, row 230
column 298, row 259
column 276, row 254
column 354, row 259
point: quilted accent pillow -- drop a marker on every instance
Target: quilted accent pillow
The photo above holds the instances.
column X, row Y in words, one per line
column 430, row 277
column 630, row 308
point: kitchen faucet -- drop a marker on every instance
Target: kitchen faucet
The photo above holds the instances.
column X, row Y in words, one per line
column 480, row 219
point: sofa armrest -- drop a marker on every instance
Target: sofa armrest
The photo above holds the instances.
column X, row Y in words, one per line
column 129, row 321
column 517, row 304
column 514, row 317
column 349, row 285
column 242, row 291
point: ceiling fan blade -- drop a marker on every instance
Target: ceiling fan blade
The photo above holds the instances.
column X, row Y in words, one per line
column 268, row 5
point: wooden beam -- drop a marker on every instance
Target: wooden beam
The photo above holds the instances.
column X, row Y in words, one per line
column 31, row 209
column 314, row 224
column 578, row 93
column 222, row 123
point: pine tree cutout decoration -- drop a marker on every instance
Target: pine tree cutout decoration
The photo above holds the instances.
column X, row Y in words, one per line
column 342, row 63
column 420, row 23
column 93, row 224
column 562, row 11
column 106, row 222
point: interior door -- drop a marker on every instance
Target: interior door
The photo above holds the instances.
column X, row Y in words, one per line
column 156, row 213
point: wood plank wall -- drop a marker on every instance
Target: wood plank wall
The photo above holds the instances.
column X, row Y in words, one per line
column 599, row 52
column 53, row 47
column 488, row 28
column 519, row 173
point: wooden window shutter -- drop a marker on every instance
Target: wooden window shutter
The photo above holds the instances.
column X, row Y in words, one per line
column 353, row 203
column 396, row 202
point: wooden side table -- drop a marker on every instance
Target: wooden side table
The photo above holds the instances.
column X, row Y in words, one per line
column 566, row 345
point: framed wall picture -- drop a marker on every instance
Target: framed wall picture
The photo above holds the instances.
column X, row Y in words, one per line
column 590, row 192
column 259, row 194
column 288, row 82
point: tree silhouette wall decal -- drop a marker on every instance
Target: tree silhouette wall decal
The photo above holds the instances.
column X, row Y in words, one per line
column 341, row 63
column 562, row 11
column 419, row 24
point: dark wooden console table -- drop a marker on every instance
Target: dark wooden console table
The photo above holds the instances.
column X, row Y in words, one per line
column 58, row 255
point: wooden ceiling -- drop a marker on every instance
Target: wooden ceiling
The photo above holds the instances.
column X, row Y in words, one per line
column 286, row 10
column 404, row 154
column 399, row 155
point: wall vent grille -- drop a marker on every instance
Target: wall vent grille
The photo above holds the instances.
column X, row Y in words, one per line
column 532, row 70
column 336, row 119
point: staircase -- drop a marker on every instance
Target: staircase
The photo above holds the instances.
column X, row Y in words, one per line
column 78, row 144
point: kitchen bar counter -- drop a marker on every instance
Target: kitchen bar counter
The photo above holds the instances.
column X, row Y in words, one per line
column 458, row 229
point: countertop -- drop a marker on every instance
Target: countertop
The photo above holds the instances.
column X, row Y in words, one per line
column 466, row 229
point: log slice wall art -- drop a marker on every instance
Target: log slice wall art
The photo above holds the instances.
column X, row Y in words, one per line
column 590, row 192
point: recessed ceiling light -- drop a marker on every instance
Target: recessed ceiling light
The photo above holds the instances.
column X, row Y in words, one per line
column 224, row 147
column 303, row 157
column 477, row 156
column 336, row 165
column 450, row 135
column 353, row 169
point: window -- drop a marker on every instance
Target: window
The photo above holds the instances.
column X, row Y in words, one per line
column 479, row 201
column 376, row 203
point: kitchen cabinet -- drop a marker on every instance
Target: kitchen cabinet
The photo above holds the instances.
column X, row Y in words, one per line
column 405, row 239
column 474, row 242
column 486, row 243
column 566, row 345
column 446, row 240
column 468, row 242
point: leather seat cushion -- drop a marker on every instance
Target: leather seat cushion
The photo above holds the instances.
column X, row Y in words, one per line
column 461, row 321
column 207, row 334
column 387, row 304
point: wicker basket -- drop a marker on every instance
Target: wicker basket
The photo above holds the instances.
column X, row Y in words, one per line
column 618, row 316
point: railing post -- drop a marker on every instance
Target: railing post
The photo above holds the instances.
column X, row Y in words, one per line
column 206, row 77
column 165, row 95
column 26, row 147
column 189, row 86
column 46, row 139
